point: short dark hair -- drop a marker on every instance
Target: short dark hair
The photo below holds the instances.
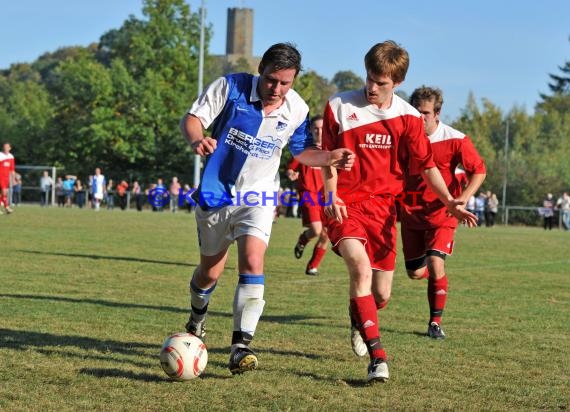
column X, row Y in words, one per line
column 281, row 56
column 425, row 93
column 315, row 118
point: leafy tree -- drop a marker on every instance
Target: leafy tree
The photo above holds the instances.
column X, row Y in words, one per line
column 559, row 100
column 315, row 89
column 347, row 80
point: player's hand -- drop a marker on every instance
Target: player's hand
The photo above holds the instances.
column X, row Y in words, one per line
column 456, row 208
column 342, row 159
column 336, row 209
column 205, row 147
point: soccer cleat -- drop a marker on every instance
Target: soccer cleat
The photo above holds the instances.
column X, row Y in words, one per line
column 435, row 331
column 312, row 271
column 8, row 210
column 358, row 346
column 378, row 370
column 299, row 248
column 242, row 359
column 197, row 329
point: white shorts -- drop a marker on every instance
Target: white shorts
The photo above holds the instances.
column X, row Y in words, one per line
column 98, row 196
column 217, row 229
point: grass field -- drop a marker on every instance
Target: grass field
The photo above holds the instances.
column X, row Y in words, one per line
column 86, row 300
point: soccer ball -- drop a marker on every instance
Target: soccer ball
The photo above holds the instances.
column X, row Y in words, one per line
column 183, row 356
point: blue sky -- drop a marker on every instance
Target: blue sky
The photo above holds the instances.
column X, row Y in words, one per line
column 502, row 50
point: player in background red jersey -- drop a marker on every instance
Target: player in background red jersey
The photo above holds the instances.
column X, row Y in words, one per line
column 427, row 228
column 310, row 187
column 387, row 135
column 7, row 171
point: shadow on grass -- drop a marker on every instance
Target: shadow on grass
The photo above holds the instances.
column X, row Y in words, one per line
column 24, row 340
column 107, row 257
column 97, row 302
column 118, row 373
column 284, row 319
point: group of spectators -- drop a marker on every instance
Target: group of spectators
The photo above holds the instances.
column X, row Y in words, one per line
column 485, row 206
column 70, row 191
column 549, row 206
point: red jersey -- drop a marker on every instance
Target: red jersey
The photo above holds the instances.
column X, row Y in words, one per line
column 450, row 148
column 310, row 178
column 7, row 166
column 386, row 143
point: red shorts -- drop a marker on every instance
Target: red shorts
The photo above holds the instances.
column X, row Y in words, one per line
column 373, row 222
column 4, row 183
column 311, row 209
column 416, row 242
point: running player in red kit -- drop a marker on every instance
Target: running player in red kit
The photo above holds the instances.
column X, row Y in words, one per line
column 427, row 229
column 310, row 187
column 387, row 135
column 7, row 171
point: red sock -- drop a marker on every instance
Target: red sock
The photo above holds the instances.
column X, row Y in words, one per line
column 426, row 274
column 364, row 311
column 381, row 305
column 437, row 295
column 318, row 254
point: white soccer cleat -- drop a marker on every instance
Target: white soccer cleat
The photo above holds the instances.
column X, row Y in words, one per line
column 378, row 371
column 358, row 346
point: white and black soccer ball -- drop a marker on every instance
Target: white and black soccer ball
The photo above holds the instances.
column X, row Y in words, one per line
column 183, row 356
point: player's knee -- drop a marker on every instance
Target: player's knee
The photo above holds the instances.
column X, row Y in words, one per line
column 381, row 298
column 416, row 274
column 382, row 304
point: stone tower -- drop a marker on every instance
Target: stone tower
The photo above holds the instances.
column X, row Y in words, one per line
column 239, row 37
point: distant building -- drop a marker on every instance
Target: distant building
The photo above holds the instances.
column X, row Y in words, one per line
column 239, row 41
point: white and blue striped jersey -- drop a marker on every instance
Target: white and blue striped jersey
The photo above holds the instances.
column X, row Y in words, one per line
column 249, row 142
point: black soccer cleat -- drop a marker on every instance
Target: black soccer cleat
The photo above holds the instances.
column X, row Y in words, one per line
column 242, row 359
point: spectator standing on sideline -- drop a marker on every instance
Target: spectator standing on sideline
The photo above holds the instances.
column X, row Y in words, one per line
column 59, row 192
column 480, row 208
column 138, row 195
column 253, row 118
column 17, row 189
column 79, row 191
column 310, row 186
column 110, row 195
column 491, row 208
column 122, row 189
column 159, row 206
column 548, row 211
column 7, row 170
column 46, row 182
column 388, row 137
column 99, row 188
column 174, row 191
column 428, row 230
column 563, row 205
column 68, row 185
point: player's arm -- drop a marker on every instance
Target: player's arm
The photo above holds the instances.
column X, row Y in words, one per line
column 474, row 167
column 474, row 183
column 339, row 158
column 193, row 131
column 334, row 206
column 435, row 182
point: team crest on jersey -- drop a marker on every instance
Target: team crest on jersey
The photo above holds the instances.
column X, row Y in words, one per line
column 281, row 126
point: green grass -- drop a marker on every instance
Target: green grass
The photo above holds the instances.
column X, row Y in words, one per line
column 86, row 300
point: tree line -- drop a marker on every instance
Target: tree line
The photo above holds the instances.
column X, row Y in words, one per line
column 116, row 104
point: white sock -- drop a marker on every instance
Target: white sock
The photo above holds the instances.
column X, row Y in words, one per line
column 248, row 302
